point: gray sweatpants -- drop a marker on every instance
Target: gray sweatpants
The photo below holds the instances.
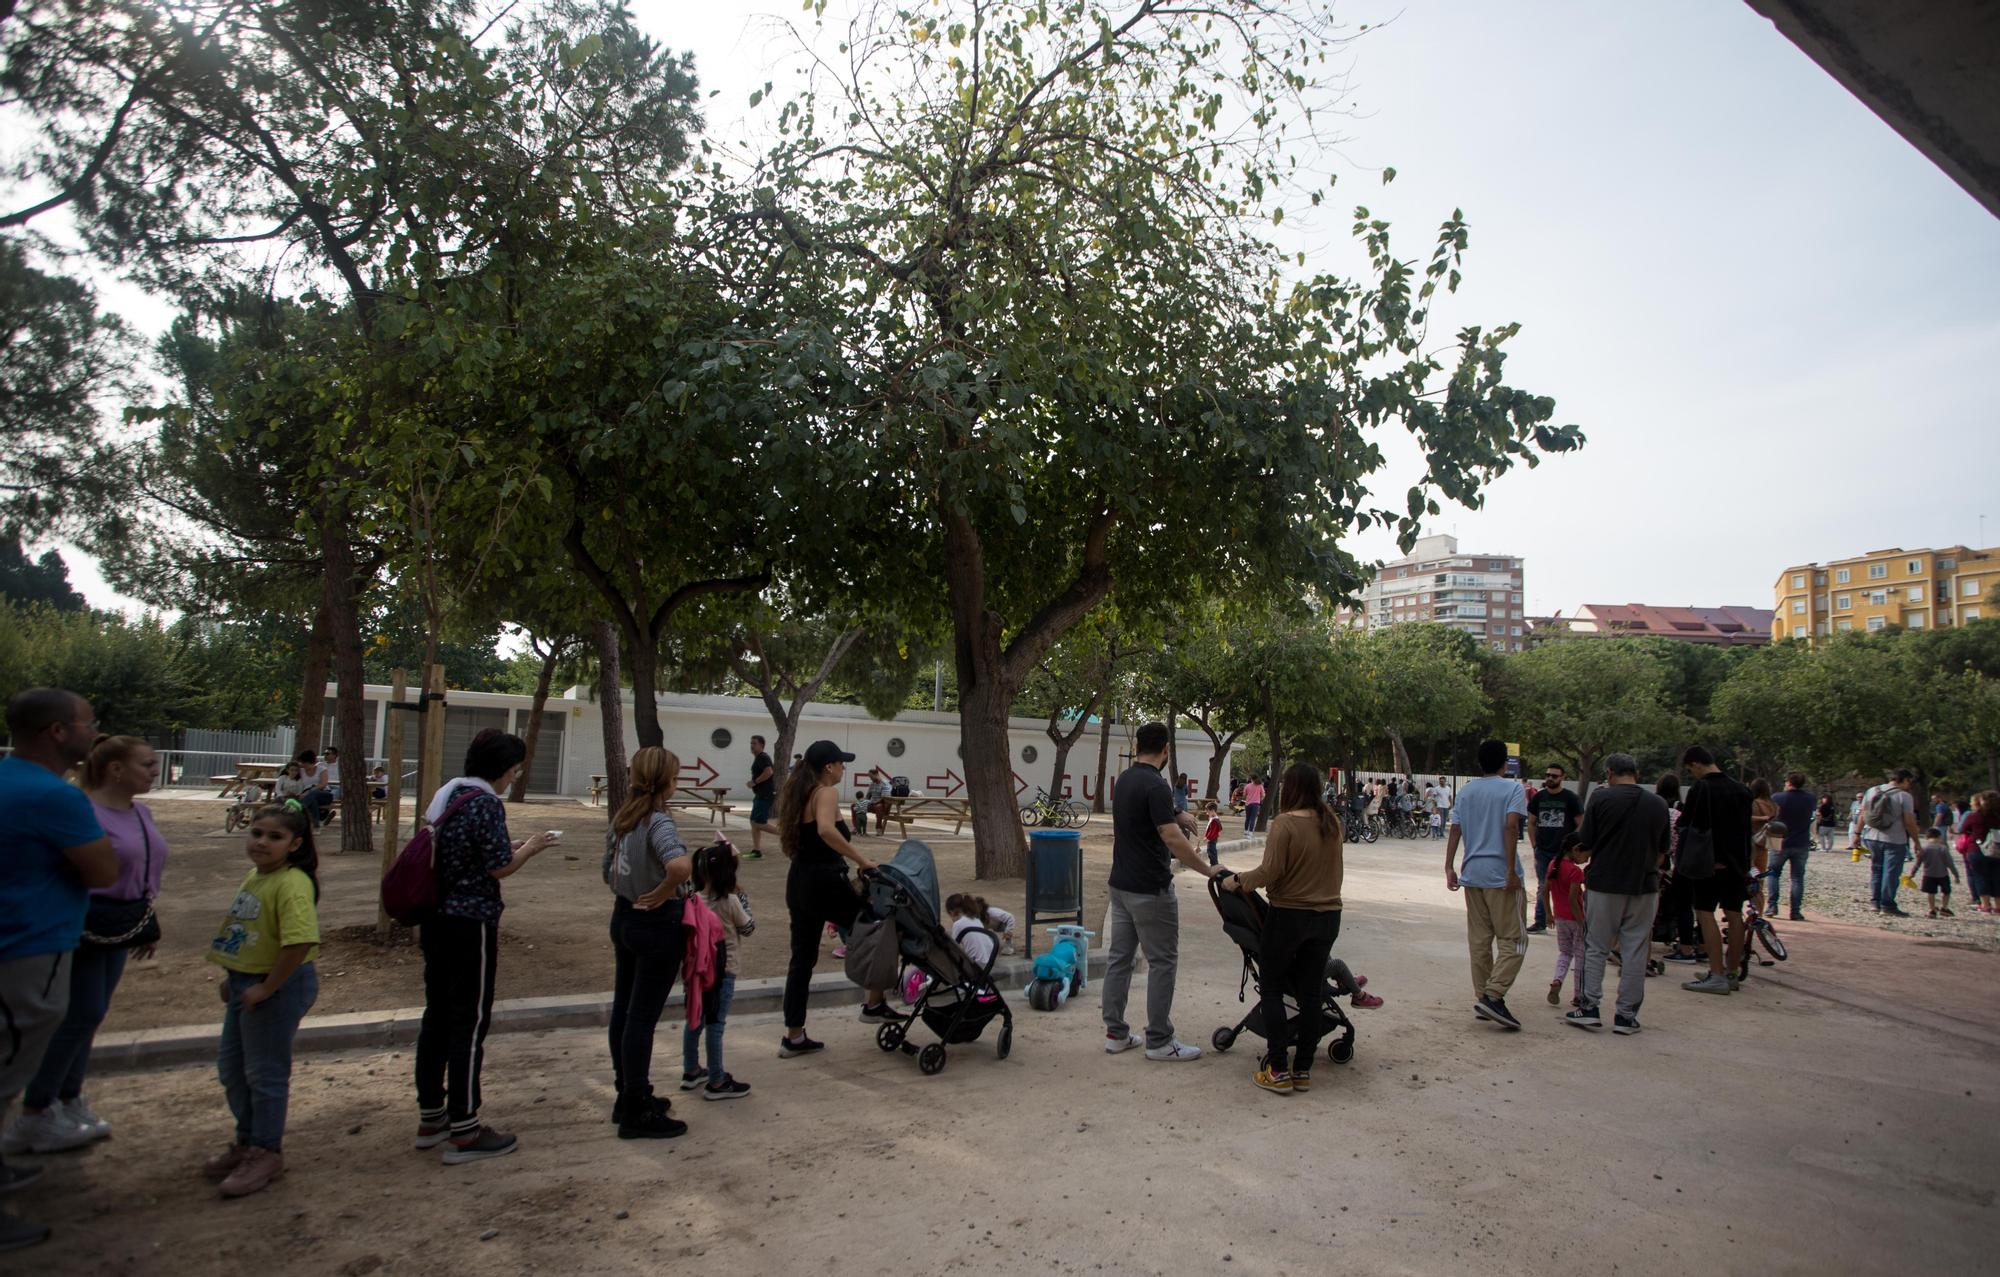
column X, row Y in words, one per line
column 1626, row 924
column 1150, row 922
column 34, row 997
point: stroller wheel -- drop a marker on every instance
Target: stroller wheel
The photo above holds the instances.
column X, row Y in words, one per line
column 931, row 1059
column 1005, row 1045
column 890, row 1036
column 1222, row 1039
column 1341, row 1050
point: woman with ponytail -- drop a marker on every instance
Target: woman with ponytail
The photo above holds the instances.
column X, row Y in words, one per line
column 646, row 866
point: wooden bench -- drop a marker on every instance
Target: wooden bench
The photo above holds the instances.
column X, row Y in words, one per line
column 919, row 807
column 706, row 798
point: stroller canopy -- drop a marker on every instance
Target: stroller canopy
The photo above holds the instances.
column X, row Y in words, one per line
column 914, row 869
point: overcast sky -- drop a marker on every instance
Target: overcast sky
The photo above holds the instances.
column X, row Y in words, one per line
column 1749, row 291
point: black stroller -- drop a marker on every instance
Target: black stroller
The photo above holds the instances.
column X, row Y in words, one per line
column 1243, row 921
column 959, row 998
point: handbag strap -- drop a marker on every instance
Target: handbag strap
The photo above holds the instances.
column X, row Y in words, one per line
column 146, row 836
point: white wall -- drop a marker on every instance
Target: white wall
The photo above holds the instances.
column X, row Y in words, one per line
column 929, row 742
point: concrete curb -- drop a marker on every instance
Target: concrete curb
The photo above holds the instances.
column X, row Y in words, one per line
column 196, row 1043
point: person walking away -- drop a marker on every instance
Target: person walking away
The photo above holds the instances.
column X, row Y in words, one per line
column 1146, row 838
column 763, row 792
column 53, row 853
column 715, row 878
column 818, row 891
column 1213, row 834
column 1887, row 826
column 1253, row 804
column 1797, row 808
column 116, row 926
column 1825, row 817
column 1486, row 820
column 1554, row 813
column 1980, row 872
column 1935, row 870
column 1301, row 872
column 1675, row 920
column 647, row 867
column 267, row 944
column 1565, row 898
column 1720, row 807
column 460, row 941
column 1625, row 830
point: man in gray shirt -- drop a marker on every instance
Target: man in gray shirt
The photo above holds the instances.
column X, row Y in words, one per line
column 1887, row 825
column 1625, row 830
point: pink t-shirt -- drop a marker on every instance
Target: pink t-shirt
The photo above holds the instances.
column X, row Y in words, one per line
column 142, row 853
column 1253, row 793
column 1566, row 872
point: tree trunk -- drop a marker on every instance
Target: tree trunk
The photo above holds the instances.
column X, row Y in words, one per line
column 1064, row 741
column 1001, row 850
column 1586, row 768
column 534, row 735
column 1274, row 782
column 611, row 700
column 645, row 657
column 785, row 719
column 1174, row 748
column 343, row 616
column 1399, row 755
column 312, row 687
column 1103, row 757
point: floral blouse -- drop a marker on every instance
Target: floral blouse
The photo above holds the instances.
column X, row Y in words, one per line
column 470, row 844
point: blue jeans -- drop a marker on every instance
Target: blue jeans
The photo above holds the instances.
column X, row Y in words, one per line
column 255, row 1061
column 1543, row 860
column 93, row 975
column 1796, row 858
column 1250, row 811
column 1885, row 874
column 713, row 1017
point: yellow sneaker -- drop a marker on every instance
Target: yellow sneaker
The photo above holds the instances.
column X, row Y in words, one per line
column 1276, row 1080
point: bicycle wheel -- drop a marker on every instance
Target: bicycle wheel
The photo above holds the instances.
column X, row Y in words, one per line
column 1079, row 815
column 1030, row 817
column 1767, row 935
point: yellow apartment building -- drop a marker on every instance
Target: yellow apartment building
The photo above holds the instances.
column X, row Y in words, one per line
column 1916, row 589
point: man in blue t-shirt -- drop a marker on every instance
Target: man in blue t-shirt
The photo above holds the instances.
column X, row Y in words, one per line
column 52, row 853
column 1486, row 820
column 1796, row 807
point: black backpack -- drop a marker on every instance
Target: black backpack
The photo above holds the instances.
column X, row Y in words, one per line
column 899, row 786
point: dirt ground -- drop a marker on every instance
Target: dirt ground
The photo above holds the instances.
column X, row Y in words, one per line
column 553, row 937
column 1836, row 1117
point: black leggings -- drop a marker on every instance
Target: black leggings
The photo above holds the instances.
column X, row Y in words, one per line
column 1297, row 944
column 1677, row 908
column 647, row 944
column 816, row 895
column 461, row 957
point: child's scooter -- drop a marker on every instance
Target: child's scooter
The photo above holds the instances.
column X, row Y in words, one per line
column 1062, row 971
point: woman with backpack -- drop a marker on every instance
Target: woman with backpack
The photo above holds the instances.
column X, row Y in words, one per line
column 460, row 938
column 646, row 866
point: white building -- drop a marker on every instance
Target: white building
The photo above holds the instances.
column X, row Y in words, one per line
column 1480, row 594
column 711, row 736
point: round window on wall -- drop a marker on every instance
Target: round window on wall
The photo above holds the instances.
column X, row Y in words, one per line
column 895, row 747
column 720, row 738
column 1027, row 753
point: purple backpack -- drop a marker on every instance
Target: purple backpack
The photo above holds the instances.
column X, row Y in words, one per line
column 410, row 888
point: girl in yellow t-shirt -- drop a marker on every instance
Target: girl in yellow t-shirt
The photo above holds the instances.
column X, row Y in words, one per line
column 266, row 946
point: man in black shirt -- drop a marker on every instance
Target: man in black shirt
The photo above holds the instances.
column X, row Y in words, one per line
column 1147, row 836
column 1553, row 812
column 763, row 788
column 1720, row 806
column 1625, row 831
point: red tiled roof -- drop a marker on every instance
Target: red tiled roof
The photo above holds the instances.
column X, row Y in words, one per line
column 1723, row 625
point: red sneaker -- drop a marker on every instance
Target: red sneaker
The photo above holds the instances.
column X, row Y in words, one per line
column 1366, row 1000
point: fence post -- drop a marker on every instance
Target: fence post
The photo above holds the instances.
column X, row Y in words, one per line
column 430, row 753
column 392, row 811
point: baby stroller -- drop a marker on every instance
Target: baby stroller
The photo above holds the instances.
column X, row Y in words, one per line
column 1243, row 921
column 959, row 998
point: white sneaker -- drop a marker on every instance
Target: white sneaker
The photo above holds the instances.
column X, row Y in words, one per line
column 79, row 1111
column 1173, row 1052
column 49, row 1131
column 1113, row 1046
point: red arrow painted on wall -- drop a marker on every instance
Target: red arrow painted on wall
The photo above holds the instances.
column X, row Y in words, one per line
column 938, row 782
column 691, row 778
column 1020, row 786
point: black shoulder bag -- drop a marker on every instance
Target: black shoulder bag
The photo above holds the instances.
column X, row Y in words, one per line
column 125, row 924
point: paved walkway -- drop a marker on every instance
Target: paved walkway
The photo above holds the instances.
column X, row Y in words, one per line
column 1822, row 1122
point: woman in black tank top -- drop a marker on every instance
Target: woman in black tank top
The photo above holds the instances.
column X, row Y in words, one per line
column 818, row 890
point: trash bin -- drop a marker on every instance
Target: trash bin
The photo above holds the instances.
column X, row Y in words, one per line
column 1055, row 879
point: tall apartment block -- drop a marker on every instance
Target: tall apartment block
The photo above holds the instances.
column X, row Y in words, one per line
column 1916, row 589
column 1477, row 593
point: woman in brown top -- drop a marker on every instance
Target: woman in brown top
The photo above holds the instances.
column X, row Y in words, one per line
column 1301, row 877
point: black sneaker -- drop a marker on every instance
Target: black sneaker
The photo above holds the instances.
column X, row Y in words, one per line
column 13, row 1177
column 1624, row 1024
column 652, row 1126
column 727, row 1089
column 693, row 1081
column 653, row 1102
column 1796, row 916
column 787, row 1048
column 1495, row 1009
column 1894, row 911
column 1538, row 929
column 1584, row 1019
column 487, row 1143
column 880, row 1013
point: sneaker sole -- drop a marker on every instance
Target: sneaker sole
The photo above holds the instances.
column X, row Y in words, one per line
column 1172, row 1059
column 1491, row 1018
column 1119, row 1048
column 43, row 1150
column 725, row 1095
column 787, row 1053
column 1275, row 1090
column 458, row 1157
column 1625, row 1030
column 1592, row 1025
column 425, row 1143
column 700, row 1080
column 1724, row 992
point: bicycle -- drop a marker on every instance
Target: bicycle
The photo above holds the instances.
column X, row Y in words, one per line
column 1765, row 937
column 1054, row 813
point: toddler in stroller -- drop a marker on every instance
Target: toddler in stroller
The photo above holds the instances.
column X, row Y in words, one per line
column 958, row 998
column 1243, row 921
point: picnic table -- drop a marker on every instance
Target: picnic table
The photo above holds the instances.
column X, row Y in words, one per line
column 1204, row 806
column 703, row 798
column 911, row 807
column 264, row 774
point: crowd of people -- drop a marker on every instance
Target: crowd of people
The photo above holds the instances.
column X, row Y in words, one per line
column 1631, row 867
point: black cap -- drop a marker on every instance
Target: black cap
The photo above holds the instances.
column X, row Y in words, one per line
column 822, row 752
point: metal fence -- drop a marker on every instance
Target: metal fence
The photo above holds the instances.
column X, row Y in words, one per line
column 194, row 757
